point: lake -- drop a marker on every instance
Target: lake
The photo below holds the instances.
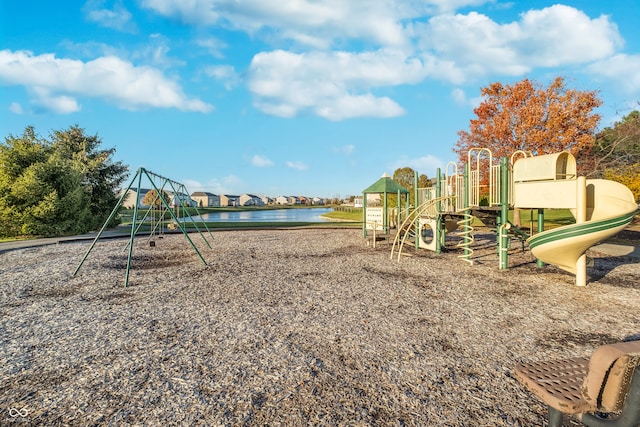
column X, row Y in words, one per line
column 266, row 215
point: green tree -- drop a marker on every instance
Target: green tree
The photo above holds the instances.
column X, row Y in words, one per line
column 40, row 191
column 628, row 175
column 16, row 155
column 423, row 181
column 615, row 151
column 406, row 177
column 101, row 176
column 152, row 199
column 47, row 189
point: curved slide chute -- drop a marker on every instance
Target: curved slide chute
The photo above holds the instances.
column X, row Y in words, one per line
column 610, row 208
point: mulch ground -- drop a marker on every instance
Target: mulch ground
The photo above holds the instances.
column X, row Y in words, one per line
column 292, row 327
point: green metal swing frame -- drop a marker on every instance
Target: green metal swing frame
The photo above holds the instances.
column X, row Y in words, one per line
column 177, row 189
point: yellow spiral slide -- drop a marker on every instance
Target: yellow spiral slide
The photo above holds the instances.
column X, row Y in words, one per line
column 610, row 207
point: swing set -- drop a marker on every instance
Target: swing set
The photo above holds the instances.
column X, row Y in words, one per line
column 154, row 225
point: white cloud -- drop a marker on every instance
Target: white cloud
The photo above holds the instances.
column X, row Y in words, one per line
column 297, row 165
column 118, row 18
column 16, row 108
column 156, row 52
column 403, row 42
column 473, row 43
column 623, row 69
column 308, row 22
column 60, row 104
column 229, row 184
column 423, row 165
column 347, row 107
column 315, row 23
column 334, row 85
column 55, row 83
column 460, row 97
column 444, row 6
column 261, row 161
column 226, row 74
column 560, row 35
column 213, row 45
column 345, row 149
column 554, row 36
column 194, row 12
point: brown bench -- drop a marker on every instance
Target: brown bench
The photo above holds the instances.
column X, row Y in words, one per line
column 603, row 390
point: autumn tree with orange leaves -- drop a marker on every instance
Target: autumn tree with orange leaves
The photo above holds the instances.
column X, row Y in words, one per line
column 530, row 117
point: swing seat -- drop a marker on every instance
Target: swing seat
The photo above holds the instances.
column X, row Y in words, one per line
column 603, row 390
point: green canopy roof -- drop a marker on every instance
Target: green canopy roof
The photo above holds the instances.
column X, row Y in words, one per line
column 385, row 185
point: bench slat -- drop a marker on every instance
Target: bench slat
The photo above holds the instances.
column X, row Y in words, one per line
column 557, row 383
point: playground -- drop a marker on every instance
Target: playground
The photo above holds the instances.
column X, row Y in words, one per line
column 293, row 327
column 489, row 189
column 320, row 326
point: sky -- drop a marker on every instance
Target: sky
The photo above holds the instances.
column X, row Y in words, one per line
column 297, row 97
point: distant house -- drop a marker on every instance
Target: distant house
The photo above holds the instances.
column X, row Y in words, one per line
column 374, row 199
column 205, row 199
column 317, row 201
column 282, row 200
column 133, row 194
column 294, row 200
column 267, row 200
column 180, row 199
column 304, row 200
column 357, row 202
column 229, row 200
column 250, row 200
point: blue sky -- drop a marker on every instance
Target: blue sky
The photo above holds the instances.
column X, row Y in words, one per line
column 296, row 97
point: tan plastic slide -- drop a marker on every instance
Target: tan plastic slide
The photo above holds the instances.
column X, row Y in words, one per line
column 610, row 207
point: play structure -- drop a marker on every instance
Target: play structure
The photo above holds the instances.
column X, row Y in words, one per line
column 489, row 189
column 152, row 223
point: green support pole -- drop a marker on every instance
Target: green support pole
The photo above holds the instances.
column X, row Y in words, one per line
column 443, row 223
column 416, row 226
column 504, row 213
column 133, row 228
column 141, row 222
column 364, row 215
column 385, row 220
column 104, row 226
column 540, row 230
column 183, row 189
column 438, row 230
column 467, row 249
column 180, row 191
column 399, row 206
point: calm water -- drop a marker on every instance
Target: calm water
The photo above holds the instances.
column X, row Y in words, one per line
column 271, row 215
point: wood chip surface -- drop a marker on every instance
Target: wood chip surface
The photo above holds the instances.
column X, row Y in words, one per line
column 292, row 328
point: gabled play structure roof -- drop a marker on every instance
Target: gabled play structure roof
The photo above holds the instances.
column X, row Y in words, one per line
column 385, row 185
